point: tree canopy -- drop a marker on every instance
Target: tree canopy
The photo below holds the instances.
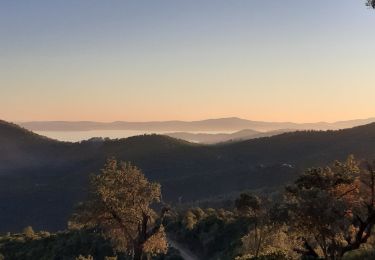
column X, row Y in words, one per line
column 120, row 206
column 333, row 207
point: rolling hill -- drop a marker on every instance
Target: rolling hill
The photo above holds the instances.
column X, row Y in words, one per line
column 42, row 179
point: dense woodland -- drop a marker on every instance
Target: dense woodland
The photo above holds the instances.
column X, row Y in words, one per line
column 41, row 179
column 327, row 212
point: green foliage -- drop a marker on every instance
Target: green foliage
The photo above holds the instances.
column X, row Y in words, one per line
column 266, row 239
column 216, row 233
column 248, row 204
column 67, row 245
column 62, row 245
column 327, row 212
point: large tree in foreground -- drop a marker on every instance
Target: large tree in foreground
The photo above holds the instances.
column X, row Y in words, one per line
column 120, row 206
column 333, row 207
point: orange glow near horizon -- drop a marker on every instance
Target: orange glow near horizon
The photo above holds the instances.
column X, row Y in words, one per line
column 126, row 61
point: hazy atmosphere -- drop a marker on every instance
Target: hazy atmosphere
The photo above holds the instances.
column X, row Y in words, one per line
column 301, row 61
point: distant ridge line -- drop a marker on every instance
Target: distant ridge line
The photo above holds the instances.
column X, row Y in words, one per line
column 220, row 124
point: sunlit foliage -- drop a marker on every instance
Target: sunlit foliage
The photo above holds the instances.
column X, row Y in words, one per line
column 333, row 208
column 120, row 207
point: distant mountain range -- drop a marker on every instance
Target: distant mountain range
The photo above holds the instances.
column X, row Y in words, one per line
column 221, row 124
column 42, row 179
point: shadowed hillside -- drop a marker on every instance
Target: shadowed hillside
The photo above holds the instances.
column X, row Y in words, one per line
column 42, row 179
column 205, row 138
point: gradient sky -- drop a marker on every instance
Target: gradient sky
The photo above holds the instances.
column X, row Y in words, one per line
column 139, row 60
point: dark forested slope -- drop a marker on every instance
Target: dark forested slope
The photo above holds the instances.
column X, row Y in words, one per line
column 41, row 179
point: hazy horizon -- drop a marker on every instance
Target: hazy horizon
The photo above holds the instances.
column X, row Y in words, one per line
column 236, row 127
column 194, row 120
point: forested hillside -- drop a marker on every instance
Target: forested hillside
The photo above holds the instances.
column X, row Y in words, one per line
column 41, row 179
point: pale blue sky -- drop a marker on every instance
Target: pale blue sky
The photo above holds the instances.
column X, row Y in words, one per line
column 172, row 59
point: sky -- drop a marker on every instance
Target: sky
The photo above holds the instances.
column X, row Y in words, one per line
column 138, row 60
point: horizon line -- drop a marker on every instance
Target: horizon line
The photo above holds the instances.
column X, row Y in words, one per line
column 187, row 121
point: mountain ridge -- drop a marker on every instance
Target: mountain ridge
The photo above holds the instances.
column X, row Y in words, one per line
column 220, row 124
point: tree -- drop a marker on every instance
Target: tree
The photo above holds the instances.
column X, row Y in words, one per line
column 248, row 205
column 29, row 232
column 333, row 207
column 267, row 234
column 120, row 206
column 189, row 220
